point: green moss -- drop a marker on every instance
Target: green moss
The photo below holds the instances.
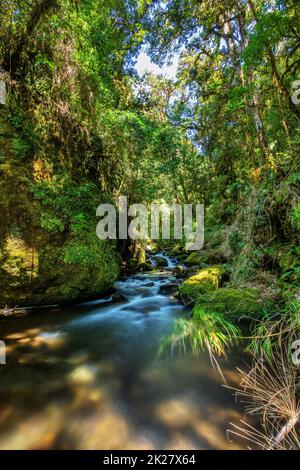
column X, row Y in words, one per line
column 49, row 251
column 52, row 274
column 296, row 217
column 176, row 249
column 288, row 258
column 161, row 262
column 285, row 257
column 206, row 280
column 145, row 267
column 197, row 258
column 232, row 302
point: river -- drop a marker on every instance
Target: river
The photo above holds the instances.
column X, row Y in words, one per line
column 89, row 377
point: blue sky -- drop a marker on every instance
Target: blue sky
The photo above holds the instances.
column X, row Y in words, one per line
column 144, row 64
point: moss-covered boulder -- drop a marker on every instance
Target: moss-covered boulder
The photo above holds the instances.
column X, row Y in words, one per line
column 205, row 280
column 208, row 257
column 235, row 303
column 53, row 274
column 178, row 271
column 145, row 267
column 160, row 261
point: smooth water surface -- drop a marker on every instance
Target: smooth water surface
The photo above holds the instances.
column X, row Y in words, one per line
column 90, row 377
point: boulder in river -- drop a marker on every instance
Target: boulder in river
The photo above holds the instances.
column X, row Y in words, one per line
column 161, row 262
column 169, row 289
column 118, row 297
column 205, row 280
column 145, row 267
column 150, row 284
column 178, row 271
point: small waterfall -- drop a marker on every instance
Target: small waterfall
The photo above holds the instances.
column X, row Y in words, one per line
column 172, row 262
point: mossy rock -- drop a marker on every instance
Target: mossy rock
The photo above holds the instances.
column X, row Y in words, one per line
column 145, row 267
column 236, row 303
column 205, row 280
column 132, row 266
column 193, row 270
column 209, row 257
column 178, row 271
column 61, row 274
column 160, row 262
column 133, row 263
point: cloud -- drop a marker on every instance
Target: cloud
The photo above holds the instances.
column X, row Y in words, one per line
column 144, row 65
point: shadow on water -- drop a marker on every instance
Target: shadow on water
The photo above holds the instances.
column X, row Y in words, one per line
column 89, row 377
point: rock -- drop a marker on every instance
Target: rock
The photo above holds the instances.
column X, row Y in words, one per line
column 132, row 265
column 168, row 289
column 205, row 280
column 160, row 262
column 118, row 297
column 178, row 271
column 189, row 272
column 14, row 313
column 208, row 257
column 20, row 313
column 54, row 281
column 145, row 267
column 236, row 303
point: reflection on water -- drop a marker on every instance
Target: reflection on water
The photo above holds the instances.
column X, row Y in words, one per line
column 89, row 377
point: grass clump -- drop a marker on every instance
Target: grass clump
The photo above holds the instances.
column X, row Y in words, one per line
column 206, row 331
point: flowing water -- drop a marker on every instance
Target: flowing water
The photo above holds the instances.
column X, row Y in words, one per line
column 171, row 262
column 89, row 377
